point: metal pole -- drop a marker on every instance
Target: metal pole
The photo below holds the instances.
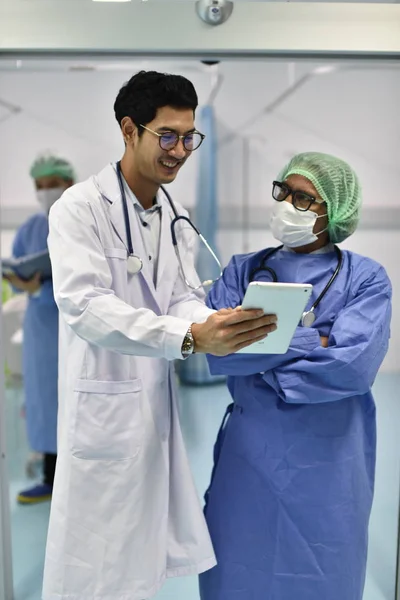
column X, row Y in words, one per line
column 6, row 571
column 397, row 589
column 245, row 195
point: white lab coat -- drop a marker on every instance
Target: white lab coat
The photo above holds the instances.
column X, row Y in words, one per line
column 125, row 513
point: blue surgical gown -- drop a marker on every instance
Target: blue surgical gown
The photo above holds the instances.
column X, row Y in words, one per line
column 292, row 486
column 40, row 346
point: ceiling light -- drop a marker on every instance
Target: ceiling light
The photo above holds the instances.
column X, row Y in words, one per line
column 325, row 69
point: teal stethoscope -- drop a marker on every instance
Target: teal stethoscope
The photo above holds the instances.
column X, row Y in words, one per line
column 135, row 263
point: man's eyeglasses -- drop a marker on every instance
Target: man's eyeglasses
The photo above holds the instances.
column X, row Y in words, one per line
column 300, row 200
column 169, row 140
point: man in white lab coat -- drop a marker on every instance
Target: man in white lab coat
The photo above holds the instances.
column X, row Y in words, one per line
column 125, row 513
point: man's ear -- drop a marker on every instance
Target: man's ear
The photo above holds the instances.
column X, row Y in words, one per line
column 129, row 131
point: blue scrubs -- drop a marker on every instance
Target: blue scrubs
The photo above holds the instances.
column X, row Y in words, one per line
column 292, row 486
column 40, row 346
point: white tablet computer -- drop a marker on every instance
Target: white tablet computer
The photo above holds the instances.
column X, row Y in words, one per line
column 286, row 300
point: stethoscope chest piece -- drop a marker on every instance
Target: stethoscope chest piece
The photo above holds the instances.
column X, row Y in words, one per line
column 308, row 318
column 134, row 264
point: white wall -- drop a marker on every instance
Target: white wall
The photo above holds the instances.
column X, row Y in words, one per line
column 352, row 112
column 70, row 113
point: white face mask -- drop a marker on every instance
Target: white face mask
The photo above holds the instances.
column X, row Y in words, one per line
column 292, row 227
column 46, row 198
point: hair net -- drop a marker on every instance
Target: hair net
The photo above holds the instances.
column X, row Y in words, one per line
column 46, row 166
column 337, row 184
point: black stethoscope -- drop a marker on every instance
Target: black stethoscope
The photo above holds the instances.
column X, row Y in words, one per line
column 134, row 262
column 308, row 317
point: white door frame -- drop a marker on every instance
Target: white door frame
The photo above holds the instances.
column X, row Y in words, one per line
column 6, row 573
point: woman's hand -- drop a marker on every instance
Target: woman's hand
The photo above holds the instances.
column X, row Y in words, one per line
column 324, row 341
column 31, row 286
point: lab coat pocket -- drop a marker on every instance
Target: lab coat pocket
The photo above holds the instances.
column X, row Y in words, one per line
column 107, row 424
column 120, row 253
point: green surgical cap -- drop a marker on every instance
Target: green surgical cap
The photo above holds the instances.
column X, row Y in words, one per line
column 337, row 184
column 47, row 166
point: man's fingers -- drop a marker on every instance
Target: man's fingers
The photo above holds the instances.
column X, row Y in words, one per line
column 250, row 327
column 247, row 338
column 251, row 336
column 225, row 311
column 240, row 316
column 249, row 342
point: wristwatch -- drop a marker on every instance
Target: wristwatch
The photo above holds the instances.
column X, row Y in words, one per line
column 188, row 343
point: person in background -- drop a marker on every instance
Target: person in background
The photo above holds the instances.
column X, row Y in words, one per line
column 52, row 176
column 292, row 487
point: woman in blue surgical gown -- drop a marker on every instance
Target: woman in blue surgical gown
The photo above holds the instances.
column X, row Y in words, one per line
column 291, row 491
column 52, row 176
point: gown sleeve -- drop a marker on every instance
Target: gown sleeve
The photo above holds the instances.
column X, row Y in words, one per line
column 19, row 250
column 357, row 345
column 44, row 294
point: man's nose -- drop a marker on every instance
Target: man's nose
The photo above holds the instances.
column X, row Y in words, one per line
column 179, row 151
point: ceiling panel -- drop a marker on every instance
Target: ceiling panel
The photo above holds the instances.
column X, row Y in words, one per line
column 69, row 2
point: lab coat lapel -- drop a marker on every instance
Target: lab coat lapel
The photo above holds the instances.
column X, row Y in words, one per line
column 139, row 248
column 108, row 184
column 167, row 261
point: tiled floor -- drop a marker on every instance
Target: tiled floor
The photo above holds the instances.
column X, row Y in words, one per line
column 202, row 409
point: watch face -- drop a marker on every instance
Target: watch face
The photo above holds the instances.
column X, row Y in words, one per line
column 187, row 345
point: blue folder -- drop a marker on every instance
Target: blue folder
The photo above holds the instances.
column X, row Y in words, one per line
column 26, row 266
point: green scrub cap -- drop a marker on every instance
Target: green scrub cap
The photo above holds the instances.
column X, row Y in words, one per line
column 46, row 166
column 337, row 184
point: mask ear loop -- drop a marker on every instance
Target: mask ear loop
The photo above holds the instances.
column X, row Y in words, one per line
column 326, row 228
